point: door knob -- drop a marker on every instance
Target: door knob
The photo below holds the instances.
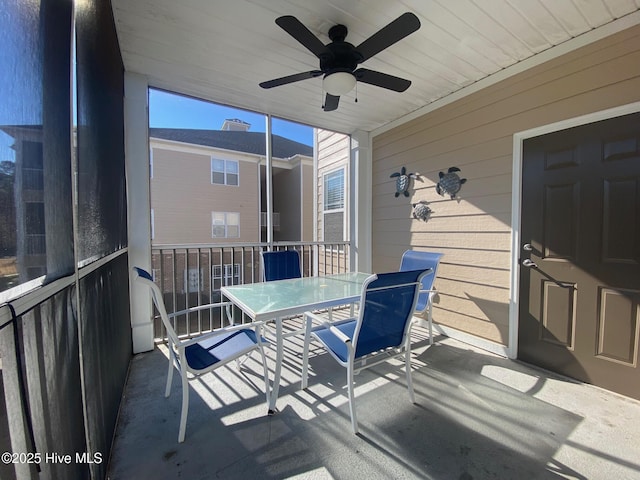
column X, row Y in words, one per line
column 527, row 247
column 529, row 263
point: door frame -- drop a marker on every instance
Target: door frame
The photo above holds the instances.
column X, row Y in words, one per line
column 516, row 202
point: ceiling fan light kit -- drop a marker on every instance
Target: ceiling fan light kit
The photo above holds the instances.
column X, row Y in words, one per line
column 338, row 83
column 339, row 59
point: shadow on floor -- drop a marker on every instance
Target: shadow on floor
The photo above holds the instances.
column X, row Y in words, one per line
column 478, row 416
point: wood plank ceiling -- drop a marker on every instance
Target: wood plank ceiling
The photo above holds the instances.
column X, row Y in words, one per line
column 220, row 50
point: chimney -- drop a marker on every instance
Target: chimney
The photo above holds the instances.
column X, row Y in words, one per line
column 235, row 124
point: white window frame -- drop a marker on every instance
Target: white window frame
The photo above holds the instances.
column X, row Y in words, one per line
column 225, row 224
column 342, row 209
column 231, row 275
column 324, row 189
column 226, row 172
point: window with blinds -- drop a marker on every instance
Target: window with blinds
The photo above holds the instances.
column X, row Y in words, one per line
column 333, row 212
column 334, row 190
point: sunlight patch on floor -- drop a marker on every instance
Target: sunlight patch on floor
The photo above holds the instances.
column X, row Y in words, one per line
column 316, row 474
column 517, row 380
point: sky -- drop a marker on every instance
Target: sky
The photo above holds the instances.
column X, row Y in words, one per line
column 168, row 110
column 176, row 111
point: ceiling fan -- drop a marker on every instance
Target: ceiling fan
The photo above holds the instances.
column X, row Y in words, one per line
column 339, row 59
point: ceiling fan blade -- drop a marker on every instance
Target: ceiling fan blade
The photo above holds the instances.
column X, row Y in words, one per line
column 302, row 34
column 290, row 79
column 380, row 79
column 330, row 103
column 404, row 25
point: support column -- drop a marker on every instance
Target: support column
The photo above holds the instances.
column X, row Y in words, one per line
column 269, row 180
column 136, row 126
column 360, row 198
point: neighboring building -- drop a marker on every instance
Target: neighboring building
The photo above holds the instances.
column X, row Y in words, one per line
column 208, row 186
column 27, row 244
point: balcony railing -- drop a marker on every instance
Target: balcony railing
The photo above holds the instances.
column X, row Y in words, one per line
column 192, row 275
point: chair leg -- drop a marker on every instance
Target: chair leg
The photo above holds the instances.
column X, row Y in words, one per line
column 305, row 354
column 229, row 313
column 241, row 360
column 407, row 365
column 185, row 404
column 429, row 311
column 167, row 389
column 352, row 404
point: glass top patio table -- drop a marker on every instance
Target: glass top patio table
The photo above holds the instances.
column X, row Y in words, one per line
column 269, row 300
column 280, row 298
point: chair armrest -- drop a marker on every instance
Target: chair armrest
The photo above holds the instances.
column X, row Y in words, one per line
column 315, row 316
column 333, row 329
column 252, row 326
column 338, row 333
column 426, row 291
column 431, row 293
column 208, row 306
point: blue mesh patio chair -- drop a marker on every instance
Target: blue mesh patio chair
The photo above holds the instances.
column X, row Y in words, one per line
column 380, row 332
column 280, row 265
column 205, row 353
column 414, row 259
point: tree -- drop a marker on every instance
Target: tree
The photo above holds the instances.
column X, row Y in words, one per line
column 7, row 209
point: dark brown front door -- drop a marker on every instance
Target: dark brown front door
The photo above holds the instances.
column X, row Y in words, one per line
column 579, row 310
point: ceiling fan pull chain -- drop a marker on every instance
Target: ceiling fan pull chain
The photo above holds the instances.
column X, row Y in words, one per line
column 356, row 92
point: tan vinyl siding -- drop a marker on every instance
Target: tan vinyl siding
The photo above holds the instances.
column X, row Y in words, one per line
column 183, row 198
column 307, row 203
column 476, row 135
column 333, row 153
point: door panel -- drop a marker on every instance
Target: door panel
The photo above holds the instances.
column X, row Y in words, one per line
column 618, row 326
column 558, row 313
column 620, row 197
column 561, row 203
column 579, row 309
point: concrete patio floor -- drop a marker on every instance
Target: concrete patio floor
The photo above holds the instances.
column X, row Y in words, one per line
column 478, row 416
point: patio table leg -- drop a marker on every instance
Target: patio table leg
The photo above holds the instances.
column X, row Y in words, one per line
column 278, row 368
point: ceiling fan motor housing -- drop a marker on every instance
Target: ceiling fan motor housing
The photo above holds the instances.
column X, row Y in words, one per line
column 341, row 56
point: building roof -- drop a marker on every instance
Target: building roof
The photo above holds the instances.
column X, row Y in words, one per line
column 249, row 142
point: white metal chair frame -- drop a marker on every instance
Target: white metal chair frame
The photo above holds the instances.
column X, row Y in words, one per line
column 410, row 261
column 178, row 347
column 356, row 365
